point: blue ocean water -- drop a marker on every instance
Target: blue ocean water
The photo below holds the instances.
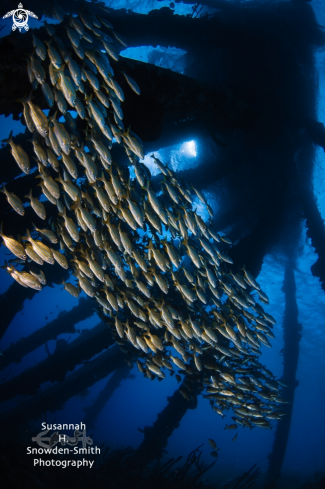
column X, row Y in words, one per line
column 137, row 402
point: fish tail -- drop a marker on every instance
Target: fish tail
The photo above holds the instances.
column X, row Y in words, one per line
column 61, row 68
column 29, row 97
column 9, row 140
column 27, row 237
column 52, row 118
column 59, row 179
column 29, row 196
column 106, row 88
column 23, row 99
column 127, row 132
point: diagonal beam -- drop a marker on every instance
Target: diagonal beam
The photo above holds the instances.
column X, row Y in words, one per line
column 53, row 398
column 64, row 323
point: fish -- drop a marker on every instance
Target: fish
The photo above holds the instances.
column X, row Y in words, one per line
column 60, row 259
column 52, row 159
column 102, row 98
column 72, row 289
column 80, row 109
column 70, row 121
column 110, row 49
column 231, row 427
column 77, row 25
column 69, row 188
column 60, row 100
column 53, row 74
column 70, row 165
column 79, row 50
column 70, row 225
column 74, row 70
column 212, row 443
column 67, row 88
column 39, row 47
column 27, row 117
column 73, row 36
column 47, row 234
column 48, row 94
column 49, row 183
column 14, row 201
column 178, row 362
column 86, row 216
column 37, row 68
column 85, row 285
column 36, row 205
column 19, row 154
column 156, row 370
column 102, row 151
column 62, row 135
column 14, row 246
column 39, row 150
column 54, row 55
column 24, row 278
column 54, row 142
column 121, row 39
column 39, row 275
column 39, row 118
column 47, row 194
column 92, row 79
column 133, row 84
column 43, row 251
column 101, row 196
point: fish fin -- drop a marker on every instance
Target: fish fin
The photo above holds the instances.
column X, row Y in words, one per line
column 8, row 140
column 29, row 96
column 52, row 118
column 27, row 237
column 23, row 99
column 58, row 179
column 29, row 196
column 64, row 213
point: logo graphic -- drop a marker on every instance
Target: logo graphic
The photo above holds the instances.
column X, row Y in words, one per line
column 52, row 440
column 20, row 18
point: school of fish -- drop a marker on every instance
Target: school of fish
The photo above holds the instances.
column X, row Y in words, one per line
column 125, row 242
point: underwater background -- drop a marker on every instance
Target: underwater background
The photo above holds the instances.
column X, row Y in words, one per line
column 257, row 153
